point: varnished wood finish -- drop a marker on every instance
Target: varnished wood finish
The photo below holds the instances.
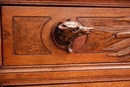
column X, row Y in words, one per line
column 66, row 32
column 107, row 84
column 29, row 57
column 0, row 37
column 26, row 45
column 59, row 74
column 26, row 39
column 102, row 3
column 59, row 77
column 68, row 67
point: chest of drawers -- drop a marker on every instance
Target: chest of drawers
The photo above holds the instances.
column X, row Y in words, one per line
column 69, row 43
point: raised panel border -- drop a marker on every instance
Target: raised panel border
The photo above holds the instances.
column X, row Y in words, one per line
column 27, row 19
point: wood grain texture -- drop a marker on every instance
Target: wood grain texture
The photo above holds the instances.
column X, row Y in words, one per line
column 106, row 84
column 1, row 37
column 65, row 13
column 27, row 35
column 67, row 67
column 102, row 3
column 61, row 74
column 110, row 34
column 64, row 70
column 63, row 77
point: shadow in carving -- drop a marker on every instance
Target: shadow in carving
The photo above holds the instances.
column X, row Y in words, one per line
column 110, row 36
column 66, row 32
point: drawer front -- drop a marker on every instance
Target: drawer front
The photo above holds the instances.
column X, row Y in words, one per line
column 27, row 35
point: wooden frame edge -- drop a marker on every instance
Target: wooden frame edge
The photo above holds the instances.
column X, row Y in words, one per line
column 62, row 74
column 64, row 67
column 65, row 3
column 50, row 69
column 0, row 35
column 71, row 77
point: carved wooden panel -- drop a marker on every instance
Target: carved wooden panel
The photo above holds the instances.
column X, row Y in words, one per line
column 111, row 36
column 27, row 38
column 27, row 35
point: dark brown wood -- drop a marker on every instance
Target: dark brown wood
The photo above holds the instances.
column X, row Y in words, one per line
column 0, row 37
column 1, row 85
column 66, row 32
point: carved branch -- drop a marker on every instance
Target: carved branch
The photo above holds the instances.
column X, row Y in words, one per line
column 121, row 53
column 122, row 44
column 123, row 35
column 127, row 19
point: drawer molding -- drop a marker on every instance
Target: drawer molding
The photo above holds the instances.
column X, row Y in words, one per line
column 65, row 67
column 71, row 73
